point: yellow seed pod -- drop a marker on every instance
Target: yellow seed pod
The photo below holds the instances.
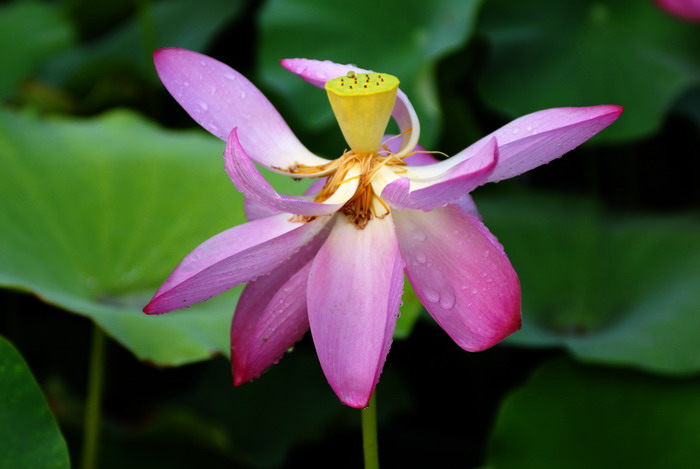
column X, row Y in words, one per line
column 362, row 103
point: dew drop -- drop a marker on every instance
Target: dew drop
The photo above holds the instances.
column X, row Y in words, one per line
column 230, row 76
column 529, row 128
column 447, row 299
column 203, row 105
column 421, row 258
column 418, row 235
column 516, row 130
column 186, row 83
column 202, row 63
column 242, row 94
column 431, row 295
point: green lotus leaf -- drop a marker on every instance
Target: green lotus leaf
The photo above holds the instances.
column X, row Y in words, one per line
column 584, row 53
column 582, row 417
column 29, row 435
column 611, row 288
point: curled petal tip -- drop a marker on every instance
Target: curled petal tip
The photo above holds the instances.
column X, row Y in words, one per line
column 239, row 379
column 613, row 108
column 150, row 308
column 154, row 306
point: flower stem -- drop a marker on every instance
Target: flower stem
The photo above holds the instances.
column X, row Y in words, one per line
column 369, row 435
column 91, row 425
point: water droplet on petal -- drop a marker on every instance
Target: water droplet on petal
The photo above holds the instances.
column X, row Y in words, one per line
column 203, row 105
column 418, row 235
column 431, row 295
column 447, row 299
column 242, row 95
column 230, row 76
column 516, row 130
column 186, row 83
column 420, row 257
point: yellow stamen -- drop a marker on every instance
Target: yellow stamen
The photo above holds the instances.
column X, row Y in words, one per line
column 362, row 103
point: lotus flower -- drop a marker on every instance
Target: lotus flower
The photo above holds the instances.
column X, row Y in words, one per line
column 334, row 260
column 686, row 9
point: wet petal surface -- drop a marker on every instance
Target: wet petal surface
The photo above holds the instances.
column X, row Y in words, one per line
column 219, row 99
column 354, row 291
column 271, row 315
column 231, row 258
column 461, row 275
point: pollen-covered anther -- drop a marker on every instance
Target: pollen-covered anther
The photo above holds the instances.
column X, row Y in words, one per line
column 365, row 203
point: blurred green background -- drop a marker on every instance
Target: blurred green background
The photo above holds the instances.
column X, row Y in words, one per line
column 105, row 184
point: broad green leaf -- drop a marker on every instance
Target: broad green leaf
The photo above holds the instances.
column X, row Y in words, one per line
column 96, row 213
column 582, row 417
column 584, row 53
column 395, row 37
column 30, row 32
column 128, row 48
column 611, row 288
column 29, row 435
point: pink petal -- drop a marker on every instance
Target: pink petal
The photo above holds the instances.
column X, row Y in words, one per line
column 533, row 140
column 219, row 99
column 461, row 275
column 467, row 205
column 255, row 210
column 231, row 258
column 318, row 72
column 687, row 9
column 420, row 159
column 354, row 291
column 270, row 318
column 252, row 184
column 271, row 315
column 459, row 180
column 315, row 187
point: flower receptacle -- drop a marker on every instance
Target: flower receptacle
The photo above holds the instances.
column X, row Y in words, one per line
column 362, row 103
